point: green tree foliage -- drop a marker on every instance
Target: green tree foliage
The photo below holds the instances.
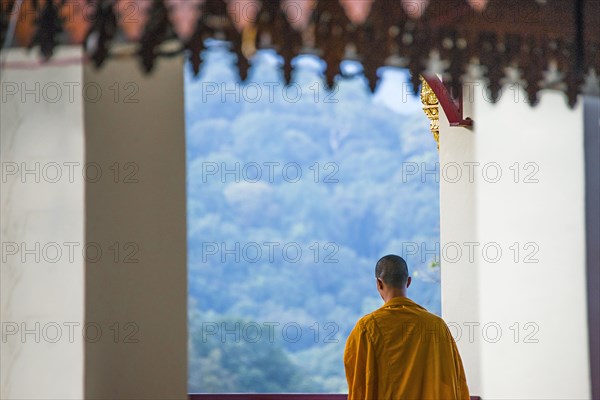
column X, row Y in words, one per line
column 223, row 362
column 352, row 204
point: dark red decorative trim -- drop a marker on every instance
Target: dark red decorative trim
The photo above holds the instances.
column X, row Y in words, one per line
column 269, row 396
column 452, row 108
column 276, row 396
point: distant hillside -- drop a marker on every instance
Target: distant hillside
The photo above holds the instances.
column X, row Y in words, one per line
column 293, row 195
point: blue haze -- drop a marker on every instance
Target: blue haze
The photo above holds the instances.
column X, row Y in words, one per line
column 360, row 140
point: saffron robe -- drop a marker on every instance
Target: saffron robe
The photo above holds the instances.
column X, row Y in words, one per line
column 402, row 351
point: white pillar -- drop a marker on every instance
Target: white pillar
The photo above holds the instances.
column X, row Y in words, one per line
column 530, row 302
column 41, row 130
column 458, row 225
column 141, row 133
column 130, row 128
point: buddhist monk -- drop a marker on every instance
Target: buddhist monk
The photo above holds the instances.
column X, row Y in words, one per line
column 402, row 351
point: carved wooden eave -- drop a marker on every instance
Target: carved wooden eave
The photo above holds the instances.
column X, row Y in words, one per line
column 538, row 44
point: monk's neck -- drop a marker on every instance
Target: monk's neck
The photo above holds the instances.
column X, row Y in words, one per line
column 388, row 296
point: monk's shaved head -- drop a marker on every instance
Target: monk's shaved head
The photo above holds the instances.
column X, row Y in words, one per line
column 392, row 270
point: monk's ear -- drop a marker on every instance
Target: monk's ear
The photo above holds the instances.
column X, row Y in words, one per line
column 408, row 281
column 379, row 284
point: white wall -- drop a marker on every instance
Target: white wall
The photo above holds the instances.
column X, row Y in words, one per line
column 548, row 358
column 146, row 211
column 41, row 212
column 130, row 128
column 458, row 225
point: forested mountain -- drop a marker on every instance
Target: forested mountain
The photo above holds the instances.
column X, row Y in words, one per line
column 293, row 195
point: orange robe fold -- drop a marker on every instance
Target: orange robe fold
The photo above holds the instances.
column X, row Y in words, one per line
column 402, row 351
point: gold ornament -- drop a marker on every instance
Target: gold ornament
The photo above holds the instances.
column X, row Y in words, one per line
column 431, row 108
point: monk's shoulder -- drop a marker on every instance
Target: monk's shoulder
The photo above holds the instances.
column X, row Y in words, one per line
column 421, row 315
column 368, row 323
column 431, row 318
column 435, row 323
column 366, row 320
